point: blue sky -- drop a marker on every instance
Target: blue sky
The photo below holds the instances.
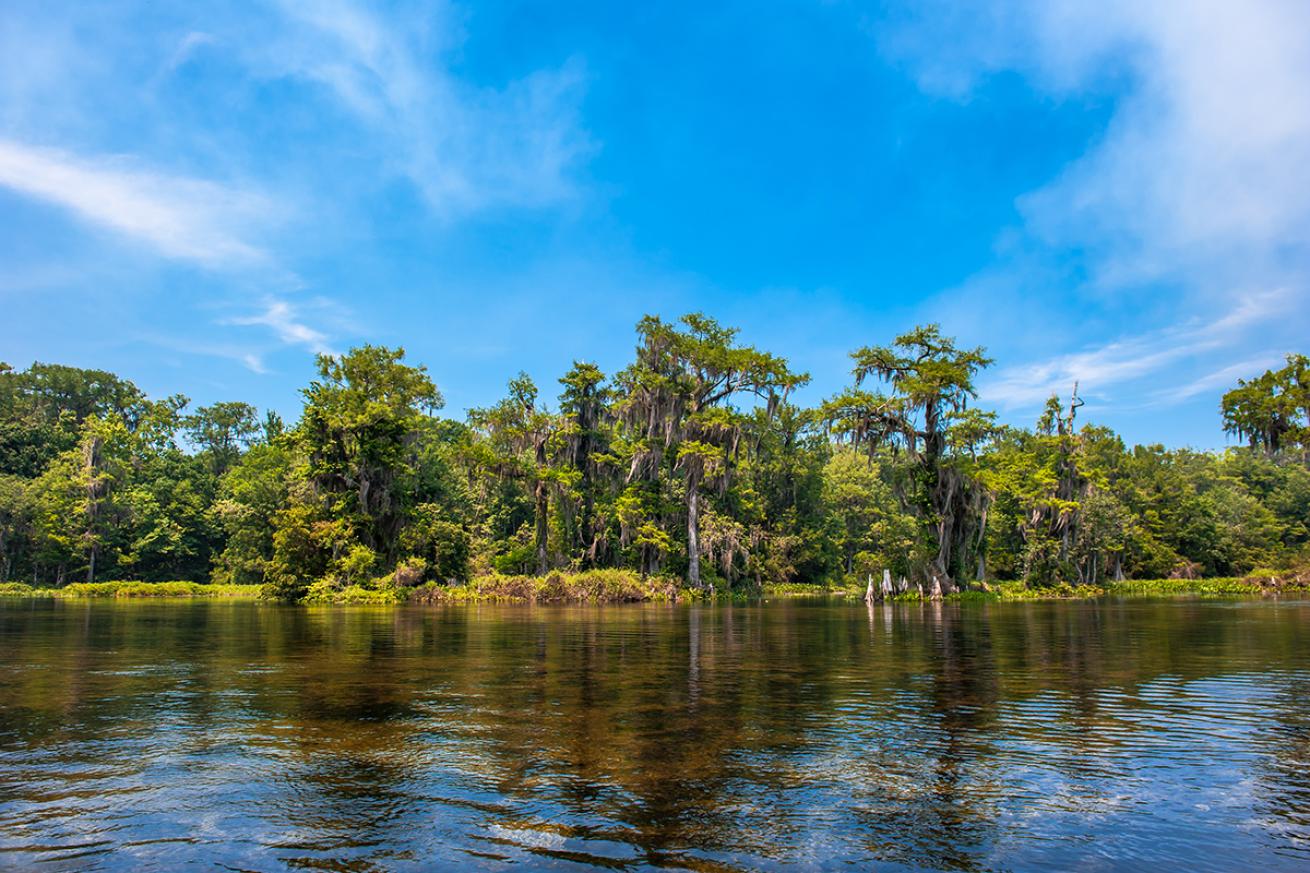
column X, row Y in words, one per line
column 200, row 196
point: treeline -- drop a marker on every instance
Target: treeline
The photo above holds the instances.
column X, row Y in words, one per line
column 692, row 461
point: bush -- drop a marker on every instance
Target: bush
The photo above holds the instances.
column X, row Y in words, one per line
column 408, row 573
column 514, row 561
column 151, row 589
column 355, row 595
column 590, row 586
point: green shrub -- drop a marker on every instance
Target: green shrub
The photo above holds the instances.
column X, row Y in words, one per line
column 154, row 589
column 587, row 586
column 355, row 595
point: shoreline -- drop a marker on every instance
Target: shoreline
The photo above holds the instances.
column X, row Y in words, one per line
column 608, row 587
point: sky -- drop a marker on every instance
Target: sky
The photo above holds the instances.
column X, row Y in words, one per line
column 201, row 197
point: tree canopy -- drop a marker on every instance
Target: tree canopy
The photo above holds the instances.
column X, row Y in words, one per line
column 693, row 460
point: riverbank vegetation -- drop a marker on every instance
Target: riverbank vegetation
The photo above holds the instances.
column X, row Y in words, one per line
column 132, row 589
column 627, row 586
column 692, row 469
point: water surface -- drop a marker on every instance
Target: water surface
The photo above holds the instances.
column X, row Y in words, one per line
column 1122, row 734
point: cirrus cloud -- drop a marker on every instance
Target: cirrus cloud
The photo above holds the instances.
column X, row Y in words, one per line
column 185, row 218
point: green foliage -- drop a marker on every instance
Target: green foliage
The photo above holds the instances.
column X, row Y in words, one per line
column 223, row 431
column 689, row 464
column 588, row 586
column 675, row 403
column 356, row 595
column 1272, row 411
column 926, row 416
column 132, row 589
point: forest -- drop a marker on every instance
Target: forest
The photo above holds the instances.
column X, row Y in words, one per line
column 692, row 463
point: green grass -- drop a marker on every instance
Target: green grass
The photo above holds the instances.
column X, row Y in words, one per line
column 1127, row 588
column 801, row 589
column 587, row 586
column 1183, row 586
column 626, row 586
column 131, row 589
column 355, row 595
column 1017, row 590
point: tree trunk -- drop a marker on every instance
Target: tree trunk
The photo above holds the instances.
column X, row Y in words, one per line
column 542, row 529
column 693, row 533
column 94, row 490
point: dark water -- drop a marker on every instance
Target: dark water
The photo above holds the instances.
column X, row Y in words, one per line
column 789, row 735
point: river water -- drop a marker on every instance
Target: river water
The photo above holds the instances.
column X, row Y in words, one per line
column 208, row 735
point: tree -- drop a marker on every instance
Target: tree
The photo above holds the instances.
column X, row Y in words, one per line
column 676, row 401
column 584, row 405
column 362, row 418
column 352, row 471
column 926, row 416
column 42, row 410
column 523, row 441
column 82, row 511
column 1052, row 491
column 223, row 431
column 691, row 460
column 16, row 512
column 871, row 529
column 250, row 495
column 1272, row 411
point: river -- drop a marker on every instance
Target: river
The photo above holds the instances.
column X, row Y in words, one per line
column 792, row 734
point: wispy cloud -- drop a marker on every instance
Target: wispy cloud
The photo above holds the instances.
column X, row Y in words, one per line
column 1100, row 370
column 1221, row 379
column 1201, row 174
column 249, row 357
column 186, row 49
column 1197, row 190
column 287, row 323
column 466, row 148
column 183, row 218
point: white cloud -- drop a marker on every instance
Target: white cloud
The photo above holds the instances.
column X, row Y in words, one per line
column 1201, row 175
column 182, row 218
column 251, row 358
column 1221, row 379
column 1202, row 172
column 1197, row 190
column 1099, row 370
column 466, row 148
column 186, row 49
column 287, row 323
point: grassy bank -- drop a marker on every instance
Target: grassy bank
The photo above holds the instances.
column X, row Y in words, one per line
column 588, row 586
column 1265, row 583
column 626, row 586
column 131, row 589
column 1126, row 587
